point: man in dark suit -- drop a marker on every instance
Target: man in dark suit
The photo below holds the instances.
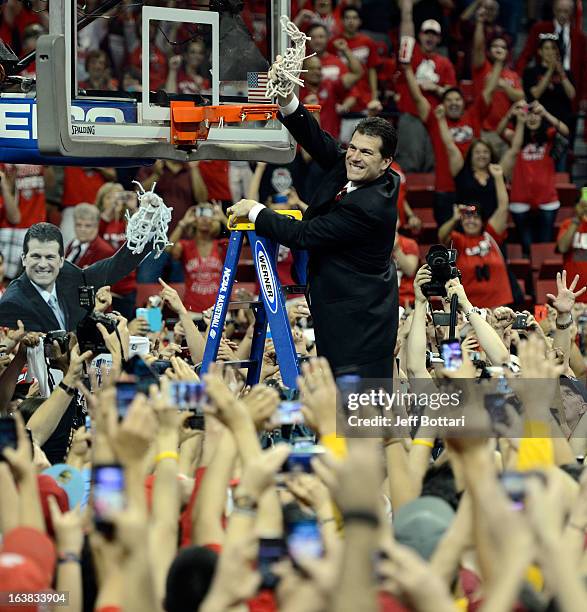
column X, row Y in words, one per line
column 45, row 296
column 349, row 231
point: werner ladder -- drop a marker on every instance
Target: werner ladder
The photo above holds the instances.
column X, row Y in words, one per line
column 270, row 309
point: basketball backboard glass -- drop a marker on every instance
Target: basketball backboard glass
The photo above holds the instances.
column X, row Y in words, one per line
column 106, row 78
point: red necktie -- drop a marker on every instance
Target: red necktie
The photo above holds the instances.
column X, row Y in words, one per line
column 340, row 195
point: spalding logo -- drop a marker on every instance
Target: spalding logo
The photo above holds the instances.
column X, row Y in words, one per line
column 266, row 276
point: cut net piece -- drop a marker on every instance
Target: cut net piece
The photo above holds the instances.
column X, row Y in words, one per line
column 151, row 221
column 285, row 72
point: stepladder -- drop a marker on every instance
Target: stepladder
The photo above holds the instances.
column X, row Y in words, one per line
column 269, row 310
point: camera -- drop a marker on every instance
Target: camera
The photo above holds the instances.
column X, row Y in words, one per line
column 62, row 339
column 88, row 335
column 442, row 265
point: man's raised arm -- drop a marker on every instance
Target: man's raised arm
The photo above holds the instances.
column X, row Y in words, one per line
column 323, row 148
column 113, row 269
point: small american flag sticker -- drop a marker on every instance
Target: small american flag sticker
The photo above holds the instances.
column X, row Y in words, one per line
column 257, row 85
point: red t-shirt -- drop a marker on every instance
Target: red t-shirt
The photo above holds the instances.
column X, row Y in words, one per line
column 406, row 283
column 30, row 196
column 478, row 251
column 157, row 65
column 575, row 259
column 114, row 232
column 464, row 131
column 332, row 67
column 500, row 103
column 365, row 50
column 330, row 93
column 426, row 67
column 186, row 84
column 534, row 175
column 202, row 274
column 215, row 175
column 80, row 185
column 401, row 197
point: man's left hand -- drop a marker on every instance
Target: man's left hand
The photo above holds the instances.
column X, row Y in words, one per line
column 242, row 208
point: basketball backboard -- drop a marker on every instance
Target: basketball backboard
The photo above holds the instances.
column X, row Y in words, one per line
column 105, row 79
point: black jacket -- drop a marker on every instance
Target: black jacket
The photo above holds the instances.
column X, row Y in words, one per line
column 352, row 282
column 22, row 301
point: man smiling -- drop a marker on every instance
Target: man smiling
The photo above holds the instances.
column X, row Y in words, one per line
column 45, row 296
column 349, row 231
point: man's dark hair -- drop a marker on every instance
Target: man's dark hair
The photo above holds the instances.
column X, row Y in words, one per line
column 189, row 579
column 29, row 406
column 376, row 126
column 450, row 90
column 346, row 9
column 314, row 26
column 43, row 232
column 439, row 481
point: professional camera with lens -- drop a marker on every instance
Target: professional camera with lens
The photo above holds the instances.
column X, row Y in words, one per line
column 89, row 337
column 442, row 265
column 61, row 337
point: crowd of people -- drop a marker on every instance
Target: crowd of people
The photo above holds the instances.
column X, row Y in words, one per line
column 132, row 480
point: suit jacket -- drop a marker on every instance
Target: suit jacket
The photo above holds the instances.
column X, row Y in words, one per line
column 352, row 281
column 578, row 54
column 97, row 250
column 22, row 300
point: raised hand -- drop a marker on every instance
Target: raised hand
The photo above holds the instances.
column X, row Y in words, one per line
column 318, row 394
column 423, row 276
column 565, row 298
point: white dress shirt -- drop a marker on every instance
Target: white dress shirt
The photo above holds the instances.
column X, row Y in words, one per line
column 46, row 295
column 74, row 255
column 564, row 34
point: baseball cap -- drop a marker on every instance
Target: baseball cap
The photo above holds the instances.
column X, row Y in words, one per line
column 422, row 523
column 27, row 561
column 431, row 25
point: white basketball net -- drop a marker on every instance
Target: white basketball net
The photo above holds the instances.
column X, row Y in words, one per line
column 151, row 221
column 285, row 72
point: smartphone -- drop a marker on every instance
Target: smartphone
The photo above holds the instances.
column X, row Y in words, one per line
column 8, row 437
column 125, row 394
column 160, row 365
column 288, row 413
column 521, row 322
column 441, row 318
column 196, row 422
column 271, row 550
column 300, row 460
column 348, row 384
column 540, row 312
column 109, row 496
column 153, row 317
column 304, row 540
column 143, row 375
column 452, row 354
column 514, row 484
column 188, row 395
column 584, row 193
column 495, row 404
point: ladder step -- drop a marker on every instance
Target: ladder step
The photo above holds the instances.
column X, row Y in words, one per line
column 294, row 289
column 243, row 363
column 243, row 304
